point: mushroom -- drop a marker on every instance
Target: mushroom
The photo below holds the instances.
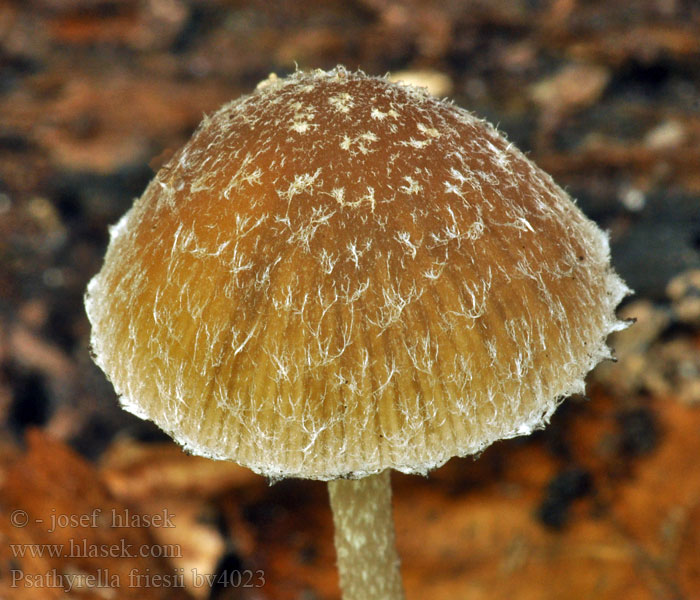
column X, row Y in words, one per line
column 338, row 276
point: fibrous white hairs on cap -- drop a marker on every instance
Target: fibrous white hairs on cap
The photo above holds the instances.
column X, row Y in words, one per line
column 338, row 275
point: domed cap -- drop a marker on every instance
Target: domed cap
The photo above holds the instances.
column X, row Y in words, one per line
column 338, row 274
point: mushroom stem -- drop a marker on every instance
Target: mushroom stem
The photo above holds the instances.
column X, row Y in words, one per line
column 364, row 538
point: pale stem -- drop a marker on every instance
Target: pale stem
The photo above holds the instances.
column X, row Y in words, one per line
column 368, row 563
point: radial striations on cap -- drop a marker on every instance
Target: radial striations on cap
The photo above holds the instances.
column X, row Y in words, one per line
column 338, row 274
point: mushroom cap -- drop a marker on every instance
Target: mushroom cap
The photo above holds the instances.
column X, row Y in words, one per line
column 338, row 275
